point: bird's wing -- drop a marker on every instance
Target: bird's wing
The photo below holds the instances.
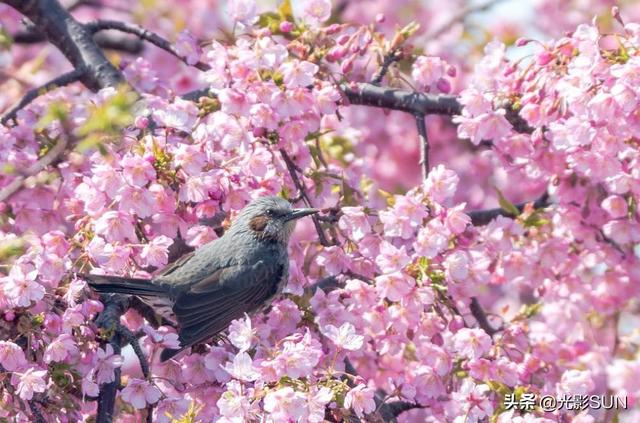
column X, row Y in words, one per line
column 171, row 267
column 209, row 306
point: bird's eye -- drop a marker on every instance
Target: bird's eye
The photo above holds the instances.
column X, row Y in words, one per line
column 270, row 213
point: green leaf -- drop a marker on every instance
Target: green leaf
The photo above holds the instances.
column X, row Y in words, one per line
column 107, row 120
column 530, row 310
column 535, row 220
column 5, row 40
column 505, row 204
column 12, row 248
column 57, row 111
column 286, row 11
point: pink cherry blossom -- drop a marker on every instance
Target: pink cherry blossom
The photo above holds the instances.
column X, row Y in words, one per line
column 394, row 286
column 29, row 382
column 354, row 222
column 298, row 73
column 344, row 337
column 441, row 183
column 115, row 226
column 242, row 368
column 615, row 205
column 241, row 10
column 471, row 343
column 285, row 404
column 241, row 333
column 61, row 348
column 21, row 286
column 317, row 11
column 360, row 399
column 139, row 393
column 576, row 382
column 156, row 252
column 11, row 356
column 136, row 170
column 317, row 399
column 391, row 258
column 187, row 47
column 106, row 363
column 427, row 70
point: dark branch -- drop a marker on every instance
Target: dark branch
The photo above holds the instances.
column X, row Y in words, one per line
column 418, row 103
column 130, row 338
column 396, row 99
column 197, row 94
column 388, row 60
column 116, row 42
column 109, row 320
column 302, row 190
column 62, row 80
column 484, row 217
column 399, row 407
column 481, row 317
column 144, row 34
column 424, row 145
column 73, row 39
column 37, row 414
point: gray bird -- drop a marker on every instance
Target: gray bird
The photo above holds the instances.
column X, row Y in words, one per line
column 241, row 272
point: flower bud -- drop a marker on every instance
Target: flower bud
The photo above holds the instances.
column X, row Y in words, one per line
column 141, row 122
column 286, row 26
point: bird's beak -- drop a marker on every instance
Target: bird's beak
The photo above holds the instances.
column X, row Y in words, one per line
column 298, row 213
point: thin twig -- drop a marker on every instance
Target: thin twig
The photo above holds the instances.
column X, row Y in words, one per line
column 484, row 217
column 481, row 317
column 62, row 80
column 52, row 156
column 72, row 39
column 37, row 414
column 144, row 34
column 291, row 166
column 389, row 58
column 424, row 145
column 131, row 339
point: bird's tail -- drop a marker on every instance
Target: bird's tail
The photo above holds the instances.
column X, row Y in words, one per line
column 169, row 353
column 118, row 285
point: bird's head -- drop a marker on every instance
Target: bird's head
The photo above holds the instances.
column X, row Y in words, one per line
column 270, row 218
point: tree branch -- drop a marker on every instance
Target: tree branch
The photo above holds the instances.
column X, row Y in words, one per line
column 37, row 414
column 424, row 145
column 73, row 39
column 389, row 58
column 130, row 338
column 144, row 34
column 117, row 42
column 62, row 80
column 302, row 190
column 109, row 319
column 413, row 102
column 484, row 217
column 481, row 317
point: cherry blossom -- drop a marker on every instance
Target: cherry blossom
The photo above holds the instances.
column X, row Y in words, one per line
column 139, row 393
column 344, row 337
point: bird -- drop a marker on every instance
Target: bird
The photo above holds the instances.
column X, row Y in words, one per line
column 240, row 273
